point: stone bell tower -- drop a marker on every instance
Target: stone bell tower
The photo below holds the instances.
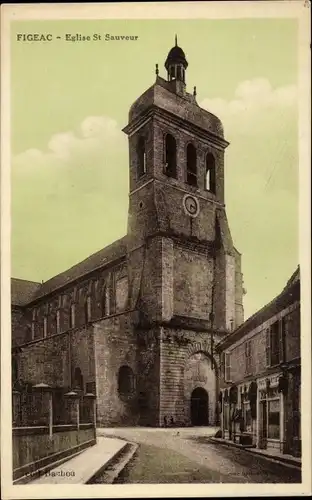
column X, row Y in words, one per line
column 184, row 272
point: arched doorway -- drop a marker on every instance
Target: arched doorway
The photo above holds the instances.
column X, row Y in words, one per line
column 199, row 407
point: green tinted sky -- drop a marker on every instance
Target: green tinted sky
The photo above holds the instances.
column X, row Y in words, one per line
column 69, row 102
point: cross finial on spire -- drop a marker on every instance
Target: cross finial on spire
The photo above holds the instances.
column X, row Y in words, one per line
column 176, row 40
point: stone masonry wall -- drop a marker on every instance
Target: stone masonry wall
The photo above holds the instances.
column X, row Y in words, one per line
column 54, row 359
column 174, row 396
column 115, row 346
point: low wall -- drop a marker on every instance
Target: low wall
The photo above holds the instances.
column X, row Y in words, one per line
column 34, row 448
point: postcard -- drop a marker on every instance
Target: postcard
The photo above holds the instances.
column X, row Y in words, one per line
column 155, row 250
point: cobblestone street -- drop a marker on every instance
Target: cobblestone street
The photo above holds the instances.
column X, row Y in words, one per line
column 181, row 455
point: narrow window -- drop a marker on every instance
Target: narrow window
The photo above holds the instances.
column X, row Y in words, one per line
column 227, row 367
column 282, row 339
column 45, row 326
column 248, row 362
column 14, row 370
column 275, row 343
column 72, row 316
column 58, row 321
column 141, row 150
column 125, row 381
column 103, row 302
column 191, row 166
column 86, row 316
column 172, row 72
column 87, row 309
column 170, row 156
column 179, row 73
column 268, row 347
column 78, row 379
column 33, row 324
column 210, row 173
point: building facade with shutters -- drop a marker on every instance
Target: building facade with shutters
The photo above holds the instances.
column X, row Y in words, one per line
column 137, row 322
column 260, row 377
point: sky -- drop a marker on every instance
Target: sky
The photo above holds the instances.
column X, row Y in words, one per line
column 70, row 100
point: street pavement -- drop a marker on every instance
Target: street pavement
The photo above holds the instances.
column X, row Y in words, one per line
column 185, row 455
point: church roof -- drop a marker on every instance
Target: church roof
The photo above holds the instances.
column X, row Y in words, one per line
column 162, row 96
column 95, row 261
column 22, row 291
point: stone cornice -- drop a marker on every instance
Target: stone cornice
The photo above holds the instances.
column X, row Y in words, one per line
column 155, row 111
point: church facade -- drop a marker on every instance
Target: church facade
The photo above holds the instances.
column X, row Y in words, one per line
column 136, row 323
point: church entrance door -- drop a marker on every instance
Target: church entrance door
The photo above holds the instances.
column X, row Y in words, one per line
column 199, row 407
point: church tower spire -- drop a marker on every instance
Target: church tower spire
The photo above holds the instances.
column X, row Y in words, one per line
column 176, row 63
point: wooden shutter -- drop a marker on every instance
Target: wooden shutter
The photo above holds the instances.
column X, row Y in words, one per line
column 268, row 346
column 282, row 325
column 227, row 367
column 222, row 365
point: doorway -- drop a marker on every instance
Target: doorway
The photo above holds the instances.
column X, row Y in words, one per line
column 199, row 407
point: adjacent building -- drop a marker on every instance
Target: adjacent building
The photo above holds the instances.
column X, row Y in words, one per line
column 260, row 379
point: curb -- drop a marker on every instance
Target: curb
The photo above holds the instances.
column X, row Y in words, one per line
column 111, row 470
column 282, row 461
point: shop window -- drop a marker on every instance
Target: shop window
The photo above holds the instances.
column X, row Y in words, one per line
column 274, row 419
column 247, row 420
column 226, row 417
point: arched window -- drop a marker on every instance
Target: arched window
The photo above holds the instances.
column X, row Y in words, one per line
column 72, row 316
column 87, row 309
column 45, row 326
column 78, row 379
column 191, row 165
column 141, row 151
column 210, row 173
column 105, row 301
column 170, row 156
column 14, row 370
column 126, row 383
column 172, row 72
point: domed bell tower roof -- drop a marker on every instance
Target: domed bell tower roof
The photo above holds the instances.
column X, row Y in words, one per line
column 176, row 56
column 176, row 63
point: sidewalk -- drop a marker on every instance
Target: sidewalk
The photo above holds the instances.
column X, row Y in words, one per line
column 269, row 454
column 82, row 467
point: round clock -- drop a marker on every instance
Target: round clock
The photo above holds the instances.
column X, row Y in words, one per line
column 191, row 205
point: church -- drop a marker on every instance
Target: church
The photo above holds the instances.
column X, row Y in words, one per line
column 136, row 323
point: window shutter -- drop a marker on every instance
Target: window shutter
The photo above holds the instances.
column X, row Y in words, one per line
column 222, row 365
column 227, row 367
column 282, row 325
column 268, row 346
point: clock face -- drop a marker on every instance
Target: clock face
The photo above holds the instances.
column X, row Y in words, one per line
column 191, row 205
